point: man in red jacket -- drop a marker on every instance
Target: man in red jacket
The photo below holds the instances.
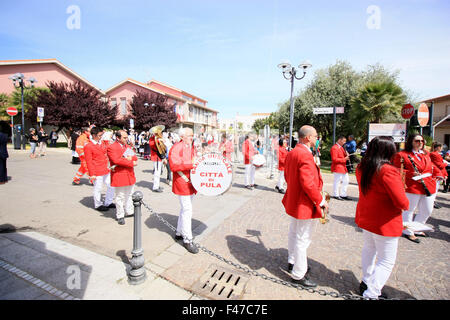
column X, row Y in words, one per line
column 282, row 154
column 303, row 201
column 97, row 164
column 157, row 161
column 181, row 161
column 339, row 159
column 122, row 160
column 249, row 151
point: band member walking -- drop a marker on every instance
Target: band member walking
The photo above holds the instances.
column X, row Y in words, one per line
column 379, row 213
column 97, row 164
column 82, row 140
column 181, row 160
column 303, row 202
column 339, row 158
column 157, row 157
column 282, row 154
column 249, row 151
column 122, row 160
column 420, row 182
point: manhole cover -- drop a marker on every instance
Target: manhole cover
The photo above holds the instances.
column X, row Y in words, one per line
column 219, row 283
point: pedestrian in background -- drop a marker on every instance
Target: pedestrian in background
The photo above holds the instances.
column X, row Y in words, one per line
column 53, row 138
column 43, row 137
column 350, row 147
column 3, row 156
column 382, row 198
column 33, row 139
column 282, row 154
column 73, row 143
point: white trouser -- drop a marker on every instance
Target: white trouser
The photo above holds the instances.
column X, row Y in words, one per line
column 338, row 178
column 281, row 180
column 425, row 207
column 299, row 239
column 124, row 202
column 98, row 185
column 184, row 225
column 249, row 174
column 157, row 167
column 378, row 259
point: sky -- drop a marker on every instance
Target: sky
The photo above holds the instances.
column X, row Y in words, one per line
column 227, row 51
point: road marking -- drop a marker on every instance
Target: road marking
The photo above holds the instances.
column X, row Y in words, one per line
column 35, row 281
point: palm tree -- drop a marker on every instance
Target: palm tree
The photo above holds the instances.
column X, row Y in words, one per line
column 376, row 102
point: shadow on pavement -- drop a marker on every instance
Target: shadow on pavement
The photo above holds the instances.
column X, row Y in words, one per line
column 347, row 220
column 154, row 223
column 61, row 272
column 256, row 256
column 438, row 233
column 88, row 202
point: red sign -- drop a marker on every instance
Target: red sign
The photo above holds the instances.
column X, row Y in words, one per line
column 423, row 114
column 11, row 111
column 407, row 111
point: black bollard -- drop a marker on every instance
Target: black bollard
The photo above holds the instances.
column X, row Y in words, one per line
column 137, row 274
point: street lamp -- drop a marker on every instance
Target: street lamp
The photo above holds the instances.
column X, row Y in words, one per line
column 290, row 73
column 19, row 81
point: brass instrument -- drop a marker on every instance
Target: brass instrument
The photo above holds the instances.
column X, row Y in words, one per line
column 160, row 146
column 324, row 218
column 403, row 172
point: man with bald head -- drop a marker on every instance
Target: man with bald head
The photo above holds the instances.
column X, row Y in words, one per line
column 303, row 202
column 122, row 160
column 181, row 160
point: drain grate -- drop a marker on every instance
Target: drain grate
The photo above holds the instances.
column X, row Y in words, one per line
column 219, row 283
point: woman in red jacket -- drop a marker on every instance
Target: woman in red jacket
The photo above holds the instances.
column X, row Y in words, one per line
column 439, row 163
column 420, row 180
column 379, row 213
column 282, row 153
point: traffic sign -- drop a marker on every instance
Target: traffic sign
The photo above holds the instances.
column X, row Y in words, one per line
column 328, row 110
column 40, row 112
column 395, row 130
column 11, row 111
column 407, row 111
column 423, row 114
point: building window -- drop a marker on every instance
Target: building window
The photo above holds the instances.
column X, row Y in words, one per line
column 123, row 106
column 113, row 103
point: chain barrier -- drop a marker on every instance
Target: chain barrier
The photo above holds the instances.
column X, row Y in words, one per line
column 322, row 292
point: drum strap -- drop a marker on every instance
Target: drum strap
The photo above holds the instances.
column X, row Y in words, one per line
column 183, row 176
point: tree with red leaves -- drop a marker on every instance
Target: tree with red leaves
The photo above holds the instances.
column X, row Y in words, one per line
column 72, row 105
column 151, row 109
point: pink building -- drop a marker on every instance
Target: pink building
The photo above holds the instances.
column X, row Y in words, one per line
column 42, row 70
column 191, row 110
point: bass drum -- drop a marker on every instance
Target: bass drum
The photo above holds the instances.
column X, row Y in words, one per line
column 212, row 174
column 259, row 160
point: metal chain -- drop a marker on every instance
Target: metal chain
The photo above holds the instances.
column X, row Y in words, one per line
column 247, row 270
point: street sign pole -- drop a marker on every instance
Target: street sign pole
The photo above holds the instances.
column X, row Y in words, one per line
column 334, row 126
column 431, row 120
column 12, row 130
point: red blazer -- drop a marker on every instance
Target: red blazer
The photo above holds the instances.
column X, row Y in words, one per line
column 180, row 159
column 123, row 174
column 304, row 184
column 153, row 150
column 249, row 151
column 424, row 166
column 438, row 162
column 380, row 210
column 337, row 159
column 96, row 159
column 227, row 147
column 282, row 154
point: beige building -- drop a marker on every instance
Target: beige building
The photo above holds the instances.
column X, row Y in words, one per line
column 441, row 118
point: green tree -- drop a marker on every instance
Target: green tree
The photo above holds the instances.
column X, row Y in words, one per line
column 376, row 102
column 4, row 99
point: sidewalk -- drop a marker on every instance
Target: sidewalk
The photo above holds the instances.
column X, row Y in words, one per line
column 37, row 267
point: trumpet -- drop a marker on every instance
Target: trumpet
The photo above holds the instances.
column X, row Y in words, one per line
column 402, row 171
column 160, row 146
column 324, row 218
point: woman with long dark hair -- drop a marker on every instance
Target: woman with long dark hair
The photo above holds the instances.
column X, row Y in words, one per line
column 420, row 180
column 379, row 213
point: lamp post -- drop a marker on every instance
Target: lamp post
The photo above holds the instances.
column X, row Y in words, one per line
column 290, row 73
column 19, row 82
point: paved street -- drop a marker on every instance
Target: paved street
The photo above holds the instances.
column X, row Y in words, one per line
column 39, row 206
